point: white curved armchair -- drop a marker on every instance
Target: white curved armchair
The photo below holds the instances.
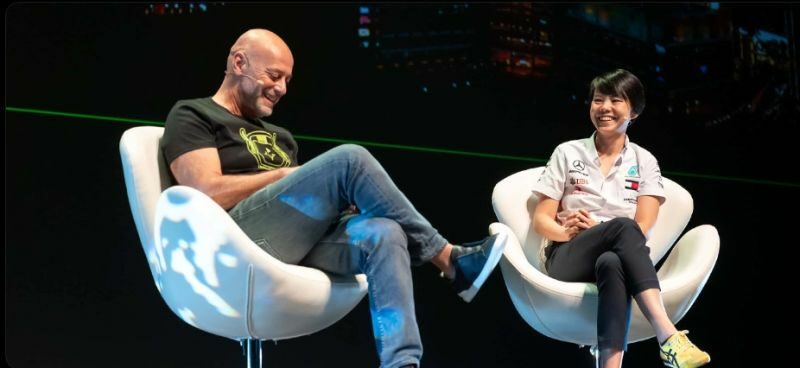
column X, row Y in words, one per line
column 210, row 273
column 567, row 311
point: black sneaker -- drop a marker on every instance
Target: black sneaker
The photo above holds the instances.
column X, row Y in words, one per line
column 474, row 263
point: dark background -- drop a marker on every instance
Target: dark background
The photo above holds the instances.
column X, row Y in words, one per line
column 722, row 118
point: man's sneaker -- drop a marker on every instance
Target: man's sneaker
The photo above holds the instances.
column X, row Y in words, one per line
column 679, row 352
column 474, row 263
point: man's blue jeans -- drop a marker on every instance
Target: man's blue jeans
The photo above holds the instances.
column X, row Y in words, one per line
column 299, row 220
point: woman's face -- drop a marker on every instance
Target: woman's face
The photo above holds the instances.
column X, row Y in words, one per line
column 610, row 113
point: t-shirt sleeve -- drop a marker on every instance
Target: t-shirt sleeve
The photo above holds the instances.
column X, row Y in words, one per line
column 186, row 130
column 651, row 178
column 551, row 182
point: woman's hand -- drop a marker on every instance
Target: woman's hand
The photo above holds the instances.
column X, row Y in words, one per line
column 577, row 222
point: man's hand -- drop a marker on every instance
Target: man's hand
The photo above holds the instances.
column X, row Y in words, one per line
column 352, row 210
column 287, row 170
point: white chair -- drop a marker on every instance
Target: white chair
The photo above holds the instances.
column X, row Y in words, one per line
column 567, row 311
column 210, row 273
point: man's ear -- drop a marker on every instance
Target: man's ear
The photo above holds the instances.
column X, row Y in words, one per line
column 239, row 60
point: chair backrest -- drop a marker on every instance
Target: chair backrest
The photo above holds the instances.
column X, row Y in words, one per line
column 146, row 176
column 514, row 203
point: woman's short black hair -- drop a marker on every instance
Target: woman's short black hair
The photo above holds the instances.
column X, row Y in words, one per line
column 620, row 83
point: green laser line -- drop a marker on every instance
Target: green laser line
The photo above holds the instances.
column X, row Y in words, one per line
column 730, row 178
column 84, row 116
column 400, row 147
column 421, row 149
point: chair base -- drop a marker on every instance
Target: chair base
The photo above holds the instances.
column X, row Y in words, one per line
column 595, row 351
column 251, row 348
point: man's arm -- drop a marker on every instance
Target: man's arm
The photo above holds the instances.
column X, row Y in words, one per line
column 201, row 169
column 646, row 213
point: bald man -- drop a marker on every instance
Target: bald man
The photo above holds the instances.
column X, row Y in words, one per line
column 339, row 212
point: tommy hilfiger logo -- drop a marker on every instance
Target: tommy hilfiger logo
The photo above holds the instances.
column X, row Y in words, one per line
column 631, row 184
column 574, row 181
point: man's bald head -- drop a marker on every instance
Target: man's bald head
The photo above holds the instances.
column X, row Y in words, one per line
column 260, row 43
column 257, row 75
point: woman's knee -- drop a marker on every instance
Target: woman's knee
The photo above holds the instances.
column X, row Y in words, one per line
column 608, row 262
column 625, row 227
column 624, row 223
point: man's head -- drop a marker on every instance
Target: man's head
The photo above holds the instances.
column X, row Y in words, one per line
column 257, row 75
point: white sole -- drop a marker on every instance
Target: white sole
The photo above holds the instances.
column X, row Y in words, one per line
column 492, row 260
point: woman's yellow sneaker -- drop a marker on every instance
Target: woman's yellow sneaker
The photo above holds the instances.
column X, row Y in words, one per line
column 679, row 352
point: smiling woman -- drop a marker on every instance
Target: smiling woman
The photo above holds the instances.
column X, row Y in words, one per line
column 598, row 199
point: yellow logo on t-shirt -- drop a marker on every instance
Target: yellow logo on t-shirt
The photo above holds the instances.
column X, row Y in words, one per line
column 262, row 145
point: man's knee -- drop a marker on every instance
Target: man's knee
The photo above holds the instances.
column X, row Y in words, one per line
column 379, row 232
column 353, row 152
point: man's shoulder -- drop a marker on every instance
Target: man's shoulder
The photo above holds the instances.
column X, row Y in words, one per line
column 198, row 103
column 189, row 112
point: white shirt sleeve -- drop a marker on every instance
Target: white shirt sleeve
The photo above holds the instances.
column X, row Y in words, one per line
column 651, row 177
column 551, row 182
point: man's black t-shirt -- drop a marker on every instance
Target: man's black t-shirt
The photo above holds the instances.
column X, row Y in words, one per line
column 244, row 145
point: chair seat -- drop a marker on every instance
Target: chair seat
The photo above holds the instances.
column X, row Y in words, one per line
column 233, row 288
column 209, row 272
column 567, row 311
